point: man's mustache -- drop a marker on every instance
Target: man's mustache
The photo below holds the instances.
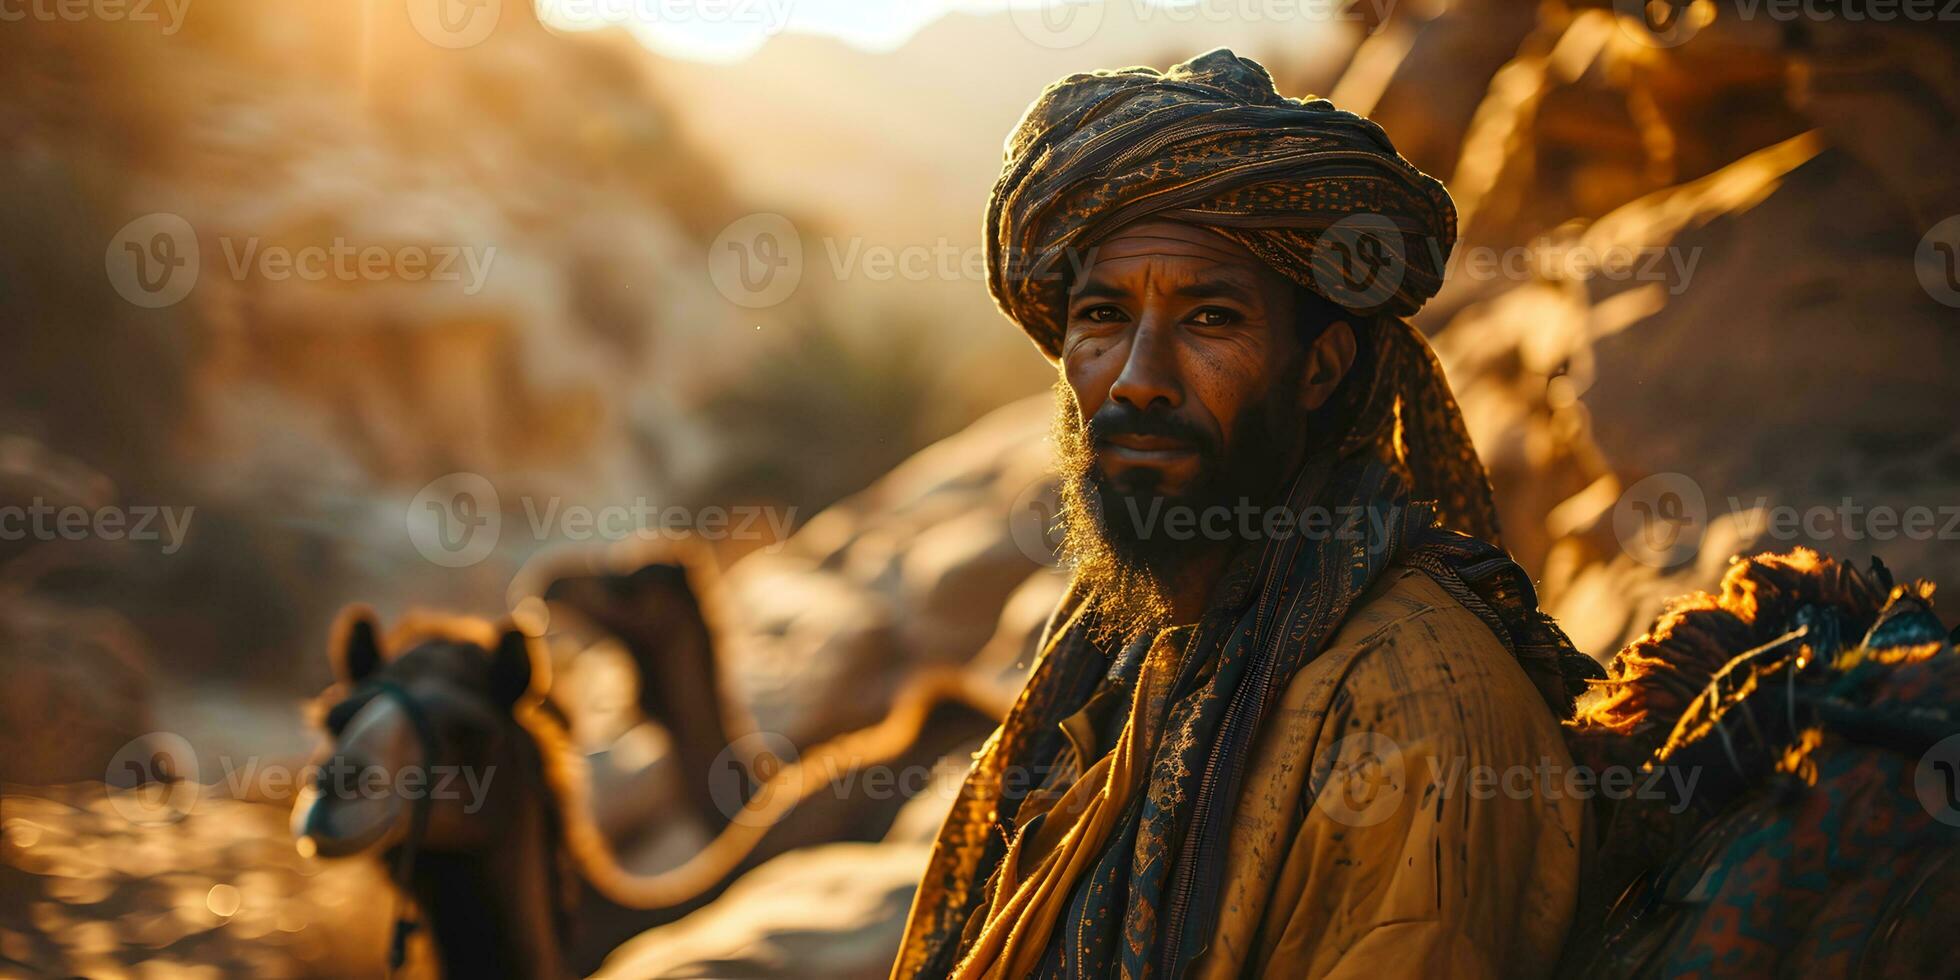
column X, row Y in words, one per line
column 1123, row 419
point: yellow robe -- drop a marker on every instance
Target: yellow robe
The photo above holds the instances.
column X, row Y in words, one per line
column 1405, row 814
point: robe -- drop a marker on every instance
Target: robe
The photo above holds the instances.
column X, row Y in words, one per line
column 1406, row 812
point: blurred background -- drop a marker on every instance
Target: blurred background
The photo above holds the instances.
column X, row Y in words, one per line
column 288, row 288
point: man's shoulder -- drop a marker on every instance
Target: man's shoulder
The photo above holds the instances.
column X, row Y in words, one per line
column 1406, row 608
column 1411, row 644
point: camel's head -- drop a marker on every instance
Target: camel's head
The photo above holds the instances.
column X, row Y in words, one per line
column 435, row 725
column 657, row 594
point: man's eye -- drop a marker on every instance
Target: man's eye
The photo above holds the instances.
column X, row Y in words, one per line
column 1212, row 316
column 1102, row 314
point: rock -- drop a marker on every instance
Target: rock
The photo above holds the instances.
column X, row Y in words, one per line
column 834, row 911
column 74, row 689
column 913, row 571
column 1578, row 389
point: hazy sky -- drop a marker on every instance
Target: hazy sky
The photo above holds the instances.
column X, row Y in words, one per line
column 724, row 30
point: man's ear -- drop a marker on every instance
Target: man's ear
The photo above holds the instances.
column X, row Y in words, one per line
column 356, row 646
column 1327, row 362
column 510, row 667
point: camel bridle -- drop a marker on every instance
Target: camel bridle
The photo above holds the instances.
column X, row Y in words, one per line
column 407, row 915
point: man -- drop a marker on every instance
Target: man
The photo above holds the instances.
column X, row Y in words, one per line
column 1295, row 717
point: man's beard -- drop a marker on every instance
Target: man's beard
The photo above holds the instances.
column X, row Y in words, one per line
column 1114, row 537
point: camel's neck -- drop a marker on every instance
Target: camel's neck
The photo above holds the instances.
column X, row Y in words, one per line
column 680, row 688
column 495, row 914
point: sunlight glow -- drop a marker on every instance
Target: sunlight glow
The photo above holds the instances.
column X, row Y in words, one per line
column 730, row 30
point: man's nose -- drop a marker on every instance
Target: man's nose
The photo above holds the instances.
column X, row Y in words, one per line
column 1150, row 371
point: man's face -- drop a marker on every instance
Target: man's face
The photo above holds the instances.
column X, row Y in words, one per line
column 1182, row 351
column 1186, row 389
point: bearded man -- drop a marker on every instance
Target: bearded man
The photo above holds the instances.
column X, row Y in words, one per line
column 1298, row 714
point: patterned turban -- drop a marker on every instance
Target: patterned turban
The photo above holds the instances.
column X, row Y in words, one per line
column 1318, row 194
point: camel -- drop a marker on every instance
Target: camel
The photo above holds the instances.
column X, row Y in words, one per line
column 655, row 611
column 1806, row 705
column 658, row 609
column 484, row 868
column 525, row 883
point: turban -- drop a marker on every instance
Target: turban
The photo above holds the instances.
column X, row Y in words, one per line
column 1318, row 194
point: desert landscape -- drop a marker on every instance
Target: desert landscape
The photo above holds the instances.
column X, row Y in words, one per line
column 1700, row 279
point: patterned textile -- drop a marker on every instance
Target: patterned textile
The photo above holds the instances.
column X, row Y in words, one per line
column 1210, row 141
column 1824, row 836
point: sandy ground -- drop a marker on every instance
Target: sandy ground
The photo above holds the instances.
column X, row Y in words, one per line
column 85, row 890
